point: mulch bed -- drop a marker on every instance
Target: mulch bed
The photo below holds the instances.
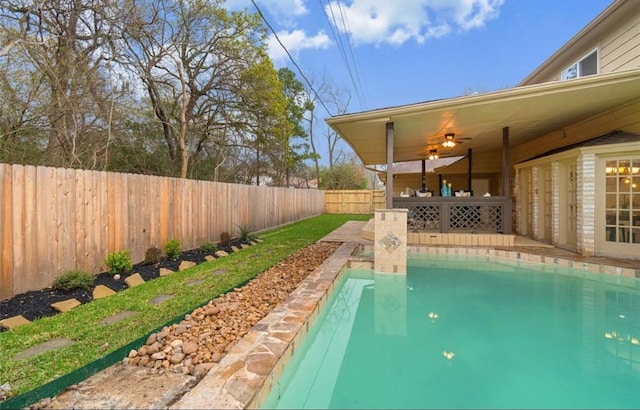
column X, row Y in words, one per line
column 36, row 304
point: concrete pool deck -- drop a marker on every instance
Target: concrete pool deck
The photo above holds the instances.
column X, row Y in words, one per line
column 246, row 374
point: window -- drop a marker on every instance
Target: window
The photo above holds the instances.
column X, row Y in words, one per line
column 588, row 65
column 622, row 201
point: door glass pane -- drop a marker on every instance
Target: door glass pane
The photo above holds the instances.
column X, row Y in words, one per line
column 622, row 200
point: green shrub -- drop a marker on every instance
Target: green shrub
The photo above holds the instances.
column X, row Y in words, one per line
column 153, row 255
column 74, row 279
column 119, row 262
column 209, row 247
column 244, row 232
column 172, row 249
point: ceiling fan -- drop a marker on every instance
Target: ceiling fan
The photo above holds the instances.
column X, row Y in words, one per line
column 451, row 141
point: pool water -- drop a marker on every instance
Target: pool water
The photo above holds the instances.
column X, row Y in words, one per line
column 463, row 332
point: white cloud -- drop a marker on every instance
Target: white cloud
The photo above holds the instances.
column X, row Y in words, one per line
column 396, row 22
column 295, row 41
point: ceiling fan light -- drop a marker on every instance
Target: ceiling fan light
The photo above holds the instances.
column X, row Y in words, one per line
column 449, row 140
column 433, row 154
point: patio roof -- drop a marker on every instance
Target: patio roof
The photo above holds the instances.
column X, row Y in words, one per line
column 529, row 112
column 415, row 167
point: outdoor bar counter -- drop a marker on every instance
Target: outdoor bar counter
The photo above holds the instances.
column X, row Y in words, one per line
column 476, row 214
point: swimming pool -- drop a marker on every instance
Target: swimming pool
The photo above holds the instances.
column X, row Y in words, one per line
column 463, row 332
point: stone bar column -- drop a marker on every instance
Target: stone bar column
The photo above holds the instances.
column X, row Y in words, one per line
column 390, row 244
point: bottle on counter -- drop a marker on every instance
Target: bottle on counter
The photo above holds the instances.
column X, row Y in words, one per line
column 444, row 191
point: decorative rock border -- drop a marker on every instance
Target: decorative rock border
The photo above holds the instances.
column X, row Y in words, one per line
column 194, row 345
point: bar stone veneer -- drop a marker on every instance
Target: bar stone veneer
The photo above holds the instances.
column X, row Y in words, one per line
column 390, row 244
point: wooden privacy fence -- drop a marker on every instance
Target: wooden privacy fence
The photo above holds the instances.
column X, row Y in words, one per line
column 354, row 201
column 53, row 219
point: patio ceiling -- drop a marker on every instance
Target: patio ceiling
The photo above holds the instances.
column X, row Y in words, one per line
column 528, row 111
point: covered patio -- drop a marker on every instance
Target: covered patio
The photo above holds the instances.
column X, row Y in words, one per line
column 493, row 131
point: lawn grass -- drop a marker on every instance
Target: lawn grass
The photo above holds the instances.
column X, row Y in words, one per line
column 93, row 340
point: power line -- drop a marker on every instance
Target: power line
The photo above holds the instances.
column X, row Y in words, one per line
column 291, row 58
column 357, row 85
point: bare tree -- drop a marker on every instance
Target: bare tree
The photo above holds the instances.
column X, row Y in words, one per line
column 337, row 100
column 67, row 43
column 193, row 58
column 331, row 97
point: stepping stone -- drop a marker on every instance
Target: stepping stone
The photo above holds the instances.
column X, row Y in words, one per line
column 186, row 265
column 102, row 291
column 12, row 322
column 194, row 282
column 65, row 305
column 221, row 254
column 134, row 280
column 118, row 317
column 160, row 299
column 235, row 248
column 209, row 258
column 219, row 272
column 52, row 344
column 165, row 271
column 244, row 246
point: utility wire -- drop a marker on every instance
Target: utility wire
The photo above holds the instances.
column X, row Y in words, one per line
column 291, row 58
column 357, row 85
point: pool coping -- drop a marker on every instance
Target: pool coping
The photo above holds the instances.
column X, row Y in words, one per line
column 245, row 376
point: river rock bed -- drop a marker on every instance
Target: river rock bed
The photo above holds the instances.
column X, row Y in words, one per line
column 205, row 335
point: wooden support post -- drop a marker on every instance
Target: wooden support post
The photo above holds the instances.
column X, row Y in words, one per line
column 506, row 164
column 469, row 178
column 389, row 191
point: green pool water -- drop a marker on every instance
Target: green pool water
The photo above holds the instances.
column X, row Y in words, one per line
column 464, row 332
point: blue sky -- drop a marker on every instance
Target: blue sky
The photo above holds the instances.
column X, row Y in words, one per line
column 408, row 51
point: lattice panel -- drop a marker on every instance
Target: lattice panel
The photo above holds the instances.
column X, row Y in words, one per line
column 424, row 217
column 476, row 218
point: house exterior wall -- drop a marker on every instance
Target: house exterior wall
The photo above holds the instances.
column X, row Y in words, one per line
column 620, row 49
column 555, row 203
column 590, row 204
column 586, row 195
column 615, row 33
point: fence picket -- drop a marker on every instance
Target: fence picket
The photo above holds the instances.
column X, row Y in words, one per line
column 6, row 232
column 53, row 219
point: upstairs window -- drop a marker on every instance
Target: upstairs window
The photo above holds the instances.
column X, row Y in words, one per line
column 588, row 65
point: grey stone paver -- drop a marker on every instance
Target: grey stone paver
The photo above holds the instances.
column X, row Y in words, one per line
column 159, row 299
column 47, row 346
column 118, row 317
